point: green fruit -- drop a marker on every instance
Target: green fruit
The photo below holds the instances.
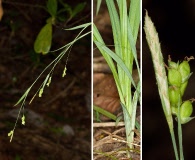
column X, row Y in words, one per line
column 174, row 110
column 174, row 95
column 183, row 88
column 184, row 69
column 174, row 77
column 186, row 110
column 173, row 65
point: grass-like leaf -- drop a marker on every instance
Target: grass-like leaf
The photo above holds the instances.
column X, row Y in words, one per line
column 80, row 26
column 23, row 96
column 98, row 6
column 104, row 112
column 117, row 59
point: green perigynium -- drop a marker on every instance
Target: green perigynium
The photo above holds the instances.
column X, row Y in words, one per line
column 178, row 76
column 174, row 110
column 186, row 110
column 174, row 95
column 184, row 69
column 183, row 87
column 172, row 64
column 174, row 77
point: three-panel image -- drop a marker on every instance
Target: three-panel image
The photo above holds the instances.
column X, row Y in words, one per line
column 97, row 80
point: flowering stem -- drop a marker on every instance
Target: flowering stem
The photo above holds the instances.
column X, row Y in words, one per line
column 160, row 73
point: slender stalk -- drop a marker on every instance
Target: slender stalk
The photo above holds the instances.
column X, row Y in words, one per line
column 174, row 144
column 180, row 132
column 65, row 48
column 180, row 140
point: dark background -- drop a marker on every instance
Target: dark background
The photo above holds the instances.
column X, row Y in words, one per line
column 175, row 24
column 67, row 100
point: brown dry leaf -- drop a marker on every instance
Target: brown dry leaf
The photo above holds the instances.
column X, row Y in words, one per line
column 105, row 93
column 1, row 10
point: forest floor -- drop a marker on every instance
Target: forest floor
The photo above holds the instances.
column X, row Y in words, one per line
column 58, row 125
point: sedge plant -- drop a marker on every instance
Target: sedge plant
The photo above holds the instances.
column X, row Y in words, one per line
column 171, row 86
column 125, row 20
column 65, row 50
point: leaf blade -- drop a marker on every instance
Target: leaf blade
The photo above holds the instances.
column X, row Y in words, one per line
column 43, row 41
column 52, row 6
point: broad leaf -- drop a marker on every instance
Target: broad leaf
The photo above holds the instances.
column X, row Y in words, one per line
column 52, row 6
column 43, row 41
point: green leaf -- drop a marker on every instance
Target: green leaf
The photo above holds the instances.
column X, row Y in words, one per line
column 67, row 7
column 127, row 119
column 79, row 26
column 23, row 96
column 118, row 119
column 117, row 59
column 104, row 112
column 109, row 60
column 52, row 6
column 137, row 124
column 51, row 20
column 43, row 41
column 98, row 6
column 78, row 9
column 136, row 97
column 97, row 116
column 134, row 17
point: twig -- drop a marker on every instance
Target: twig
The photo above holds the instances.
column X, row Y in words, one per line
column 108, row 124
column 24, row 4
